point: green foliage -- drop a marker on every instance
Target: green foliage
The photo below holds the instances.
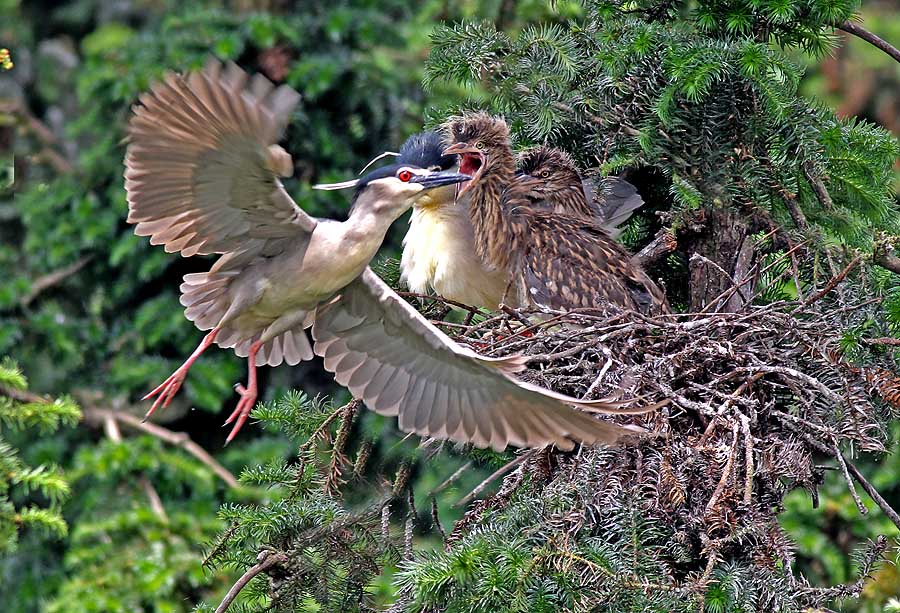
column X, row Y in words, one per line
column 338, row 553
column 658, row 90
column 30, row 496
column 695, row 90
column 89, row 309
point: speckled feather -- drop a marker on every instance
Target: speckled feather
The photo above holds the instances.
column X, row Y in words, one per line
column 555, row 261
column 551, row 181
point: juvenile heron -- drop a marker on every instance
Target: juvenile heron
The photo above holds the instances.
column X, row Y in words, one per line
column 551, row 181
column 439, row 246
column 553, row 261
column 202, row 173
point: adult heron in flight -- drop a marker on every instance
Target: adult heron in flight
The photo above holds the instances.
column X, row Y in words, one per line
column 202, row 178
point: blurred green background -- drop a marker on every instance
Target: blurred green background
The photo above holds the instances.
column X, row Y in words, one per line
column 90, row 310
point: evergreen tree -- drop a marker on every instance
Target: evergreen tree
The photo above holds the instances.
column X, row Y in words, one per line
column 22, row 486
column 763, row 203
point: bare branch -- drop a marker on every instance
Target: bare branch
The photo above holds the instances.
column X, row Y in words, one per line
column 831, row 284
column 860, row 32
column 179, row 439
column 267, row 559
column 663, row 243
column 45, row 282
column 843, row 464
column 497, row 473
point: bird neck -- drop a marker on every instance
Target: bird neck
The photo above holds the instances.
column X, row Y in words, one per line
column 367, row 225
column 496, row 236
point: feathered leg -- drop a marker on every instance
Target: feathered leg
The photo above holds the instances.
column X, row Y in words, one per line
column 248, row 394
column 168, row 388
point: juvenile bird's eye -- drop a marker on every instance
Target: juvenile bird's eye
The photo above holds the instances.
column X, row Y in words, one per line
column 404, row 175
column 479, row 145
column 545, row 173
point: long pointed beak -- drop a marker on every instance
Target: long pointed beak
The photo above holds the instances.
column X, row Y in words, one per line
column 460, row 148
column 438, row 179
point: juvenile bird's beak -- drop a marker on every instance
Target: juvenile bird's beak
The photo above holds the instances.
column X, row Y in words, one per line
column 460, row 148
column 471, row 161
column 439, row 179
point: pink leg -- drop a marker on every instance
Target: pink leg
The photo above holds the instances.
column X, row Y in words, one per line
column 168, row 388
column 248, row 395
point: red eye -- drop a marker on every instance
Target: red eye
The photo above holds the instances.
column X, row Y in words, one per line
column 404, row 175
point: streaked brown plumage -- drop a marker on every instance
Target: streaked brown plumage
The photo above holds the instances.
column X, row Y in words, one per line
column 201, row 175
column 554, row 261
column 551, row 181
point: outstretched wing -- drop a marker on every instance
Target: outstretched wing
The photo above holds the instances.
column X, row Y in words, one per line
column 391, row 357
column 202, row 164
column 613, row 198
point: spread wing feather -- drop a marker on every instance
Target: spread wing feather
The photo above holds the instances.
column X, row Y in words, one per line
column 614, row 199
column 202, row 160
column 388, row 355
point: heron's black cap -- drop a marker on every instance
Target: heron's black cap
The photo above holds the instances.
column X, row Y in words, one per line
column 425, row 151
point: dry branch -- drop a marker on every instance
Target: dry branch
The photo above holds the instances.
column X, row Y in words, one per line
column 178, row 439
column 876, row 41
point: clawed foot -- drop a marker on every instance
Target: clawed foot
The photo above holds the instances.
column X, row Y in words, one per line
column 165, row 391
column 242, row 410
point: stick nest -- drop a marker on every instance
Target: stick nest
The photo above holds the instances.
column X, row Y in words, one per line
column 756, row 396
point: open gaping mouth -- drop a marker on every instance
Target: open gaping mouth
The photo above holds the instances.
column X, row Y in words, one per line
column 470, row 164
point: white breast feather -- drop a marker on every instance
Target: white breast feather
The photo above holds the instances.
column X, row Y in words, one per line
column 439, row 255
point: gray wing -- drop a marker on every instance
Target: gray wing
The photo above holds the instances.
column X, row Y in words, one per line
column 202, row 164
column 614, row 199
column 391, row 357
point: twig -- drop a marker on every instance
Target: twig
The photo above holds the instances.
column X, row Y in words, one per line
column 599, row 378
column 460, row 305
column 818, row 186
column 891, row 342
column 792, row 372
column 305, row 447
column 267, row 559
column 436, row 521
column 111, row 428
column 179, row 439
column 451, row 478
column 883, row 504
column 748, row 459
column 47, row 281
column 497, row 473
column 843, row 464
column 874, row 495
column 830, row 285
column 155, row 501
column 726, row 472
column 860, row 32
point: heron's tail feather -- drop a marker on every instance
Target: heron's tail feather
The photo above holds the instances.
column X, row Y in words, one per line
column 205, row 296
column 291, row 346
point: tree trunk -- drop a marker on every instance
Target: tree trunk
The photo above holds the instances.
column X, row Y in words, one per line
column 720, row 258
